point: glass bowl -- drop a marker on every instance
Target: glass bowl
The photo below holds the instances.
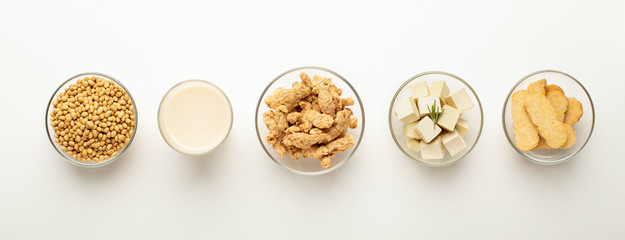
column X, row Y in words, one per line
column 583, row 128
column 309, row 166
column 50, row 131
column 475, row 116
column 169, row 138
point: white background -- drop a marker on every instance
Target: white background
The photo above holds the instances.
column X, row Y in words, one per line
column 237, row 191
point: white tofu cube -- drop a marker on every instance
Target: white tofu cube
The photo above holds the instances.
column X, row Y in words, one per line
column 439, row 88
column 449, row 118
column 427, row 130
column 406, row 110
column 413, row 144
column 460, row 100
column 432, row 150
column 419, row 89
column 453, row 142
column 410, row 131
column 443, row 101
column 425, row 103
column 462, row 126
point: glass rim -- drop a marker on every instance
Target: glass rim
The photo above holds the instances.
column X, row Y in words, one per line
column 355, row 147
column 390, row 116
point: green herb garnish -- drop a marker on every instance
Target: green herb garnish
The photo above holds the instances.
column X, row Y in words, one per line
column 434, row 115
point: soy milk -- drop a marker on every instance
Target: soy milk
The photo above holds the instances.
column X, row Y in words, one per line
column 195, row 117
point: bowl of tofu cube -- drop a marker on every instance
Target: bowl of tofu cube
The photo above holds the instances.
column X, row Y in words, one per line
column 548, row 117
column 436, row 118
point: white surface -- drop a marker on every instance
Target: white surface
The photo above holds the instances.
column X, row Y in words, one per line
column 237, row 191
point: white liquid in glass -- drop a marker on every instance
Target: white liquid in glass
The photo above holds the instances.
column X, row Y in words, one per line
column 195, row 117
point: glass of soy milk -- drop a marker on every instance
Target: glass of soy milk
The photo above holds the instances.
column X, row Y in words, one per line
column 195, row 117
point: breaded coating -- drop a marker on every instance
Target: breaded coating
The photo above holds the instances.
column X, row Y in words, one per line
column 553, row 88
column 572, row 137
column 559, row 102
column 551, row 116
column 570, row 141
column 538, row 87
column 525, row 133
column 542, row 144
column 545, row 118
column 574, row 112
column 310, row 120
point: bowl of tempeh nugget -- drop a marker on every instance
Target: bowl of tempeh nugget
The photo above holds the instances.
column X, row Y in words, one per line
column 548, row 117
column 435, row 118
column 309, row 120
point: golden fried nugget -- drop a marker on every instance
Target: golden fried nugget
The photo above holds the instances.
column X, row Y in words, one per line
column 559, row 102
column 570, row 141
column 572, row 137
column 525, row 134
column 544, row 117
column 553, row 87
column 574, row 112
column 542, row 144
column 537, row 87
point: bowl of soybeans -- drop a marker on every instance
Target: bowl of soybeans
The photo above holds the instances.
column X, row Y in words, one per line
column 91, row 119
